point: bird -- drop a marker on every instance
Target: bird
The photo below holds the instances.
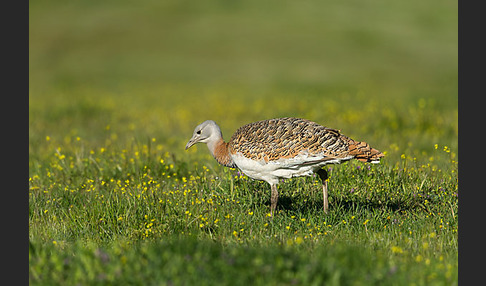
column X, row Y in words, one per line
column 281, row 148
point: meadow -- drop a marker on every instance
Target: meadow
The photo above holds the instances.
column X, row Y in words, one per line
column 116, row 91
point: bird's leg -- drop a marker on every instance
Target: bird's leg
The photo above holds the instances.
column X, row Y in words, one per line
column 324, row 194
column 274, row 199
column 323, row 175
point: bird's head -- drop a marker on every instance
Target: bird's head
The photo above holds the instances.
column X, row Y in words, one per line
column 206, row 132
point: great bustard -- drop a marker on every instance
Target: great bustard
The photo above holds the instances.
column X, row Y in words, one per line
column 278, row 148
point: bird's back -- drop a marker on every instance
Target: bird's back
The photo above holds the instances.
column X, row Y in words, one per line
column 279, row 138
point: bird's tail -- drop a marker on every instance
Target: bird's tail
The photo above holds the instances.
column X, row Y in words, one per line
column 363, row 152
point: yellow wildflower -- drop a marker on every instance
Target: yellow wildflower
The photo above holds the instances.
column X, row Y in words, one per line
column 397, row 249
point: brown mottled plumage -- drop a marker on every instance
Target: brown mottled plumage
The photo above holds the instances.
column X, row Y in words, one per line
column 286, row 137
column 282, row 148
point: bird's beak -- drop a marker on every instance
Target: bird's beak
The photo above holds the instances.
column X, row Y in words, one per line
column 190, row 143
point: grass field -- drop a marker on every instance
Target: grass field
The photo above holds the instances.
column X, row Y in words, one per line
column 116, row 91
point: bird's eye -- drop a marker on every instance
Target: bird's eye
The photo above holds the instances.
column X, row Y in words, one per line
column 199, row 132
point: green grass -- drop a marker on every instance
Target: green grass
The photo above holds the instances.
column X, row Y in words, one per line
column 193, row 262
column 404, row 217
column 115, row 93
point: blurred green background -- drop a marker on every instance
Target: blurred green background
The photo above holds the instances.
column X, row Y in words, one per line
column 111, row 72
column 116, row 89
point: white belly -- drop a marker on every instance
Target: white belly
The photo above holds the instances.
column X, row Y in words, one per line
column 284, row 168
